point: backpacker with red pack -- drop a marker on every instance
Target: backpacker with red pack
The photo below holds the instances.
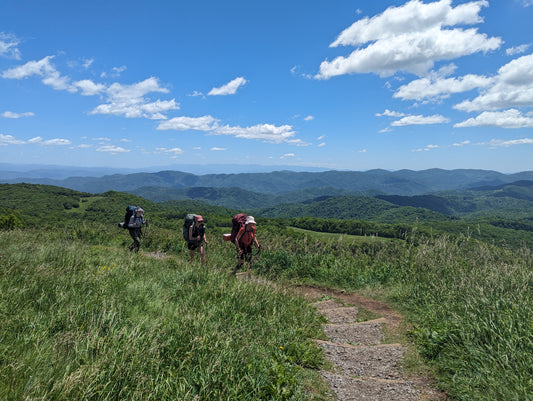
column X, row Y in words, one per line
column 237, row 222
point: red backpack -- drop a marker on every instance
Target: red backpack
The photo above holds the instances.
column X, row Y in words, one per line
column 237, row 222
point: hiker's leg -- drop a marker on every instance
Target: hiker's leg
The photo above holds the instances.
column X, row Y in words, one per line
column 192, row 249
column 137, row 240
column 132, row 235
column 202, row 254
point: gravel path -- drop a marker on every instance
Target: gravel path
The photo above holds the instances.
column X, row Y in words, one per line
column 363, row 367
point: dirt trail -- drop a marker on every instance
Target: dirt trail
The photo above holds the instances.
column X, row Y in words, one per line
column 363, row 367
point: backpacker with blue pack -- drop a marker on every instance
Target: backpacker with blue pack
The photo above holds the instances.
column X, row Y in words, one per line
column 189, row 221
column 130, row 210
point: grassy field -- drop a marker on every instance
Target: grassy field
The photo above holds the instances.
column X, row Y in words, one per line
column 357, row 239
column 470, row 303
column 85, row 319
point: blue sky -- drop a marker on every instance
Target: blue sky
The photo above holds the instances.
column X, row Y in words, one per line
column 340, row 84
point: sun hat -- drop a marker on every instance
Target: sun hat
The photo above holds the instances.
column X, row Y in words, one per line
column 250, row 220
column 199, row 218
column 139, row 209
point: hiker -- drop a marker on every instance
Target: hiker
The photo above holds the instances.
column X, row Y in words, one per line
column 244, row 240
column 196, row 238
column 135, row 228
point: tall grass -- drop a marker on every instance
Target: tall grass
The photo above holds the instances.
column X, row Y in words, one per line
column 84, row 319
column 471, row 303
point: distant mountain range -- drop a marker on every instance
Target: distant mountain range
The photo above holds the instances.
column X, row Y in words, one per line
column 14, row 172
column 166, row 185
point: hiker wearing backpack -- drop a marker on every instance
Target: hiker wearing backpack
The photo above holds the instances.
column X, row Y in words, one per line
column 196, row 238
column 244, row 240
column 135, row 228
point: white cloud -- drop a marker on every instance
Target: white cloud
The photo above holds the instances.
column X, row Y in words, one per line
column 228, row 89
column 10, row 140
column 506, row 144
column 410, row 38
column 459, row 144
column 111, row 149
column 89, row 88
column 205, row 123
column 389, row 113
column 56, row 142
column 512, row 51
column 9, row 46
column 11, row 114
column 321, row 145
column 435, row 87
column 214, row 149
column 130, row 101
column 309, row 118
column 512, row 87
column 173, row 151
column 511, row 118
column 265, row 132
column 287, row 155
column 420, row 120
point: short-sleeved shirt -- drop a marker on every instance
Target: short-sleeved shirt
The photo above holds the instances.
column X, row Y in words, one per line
column 246, row 236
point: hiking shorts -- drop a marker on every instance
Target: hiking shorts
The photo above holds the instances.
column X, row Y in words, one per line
column 192, row 245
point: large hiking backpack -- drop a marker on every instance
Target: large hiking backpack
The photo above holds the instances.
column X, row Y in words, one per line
column 130, row 210
column 237, row 222
column 189, row 221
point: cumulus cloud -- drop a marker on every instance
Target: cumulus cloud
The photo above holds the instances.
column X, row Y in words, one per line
column 436, row 86
column 130, row 101
column 512, row 88
column 420, row 120
column 55, row 142
column 11, row 114
column 10, row 140
column 43, row 68
column 9, row 46
column 287, row 155
column 511, row 118
column 389, row 113
column 89, row 88
column 512, row 51
column 263, row 132
column 506, row 144
column 111, row 149
column 172, row 151
column 228, row 89
column 204, row 123
column 410, row 38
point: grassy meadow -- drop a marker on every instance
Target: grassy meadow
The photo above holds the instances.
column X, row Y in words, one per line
column 84, row 319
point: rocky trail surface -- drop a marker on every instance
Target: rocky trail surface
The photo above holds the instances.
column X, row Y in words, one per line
column 363, row 367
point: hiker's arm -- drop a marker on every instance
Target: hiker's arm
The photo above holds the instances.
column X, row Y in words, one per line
column 237, row 238
column 190, row 234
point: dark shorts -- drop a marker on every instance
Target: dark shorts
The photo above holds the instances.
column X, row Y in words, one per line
column 193, row 245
